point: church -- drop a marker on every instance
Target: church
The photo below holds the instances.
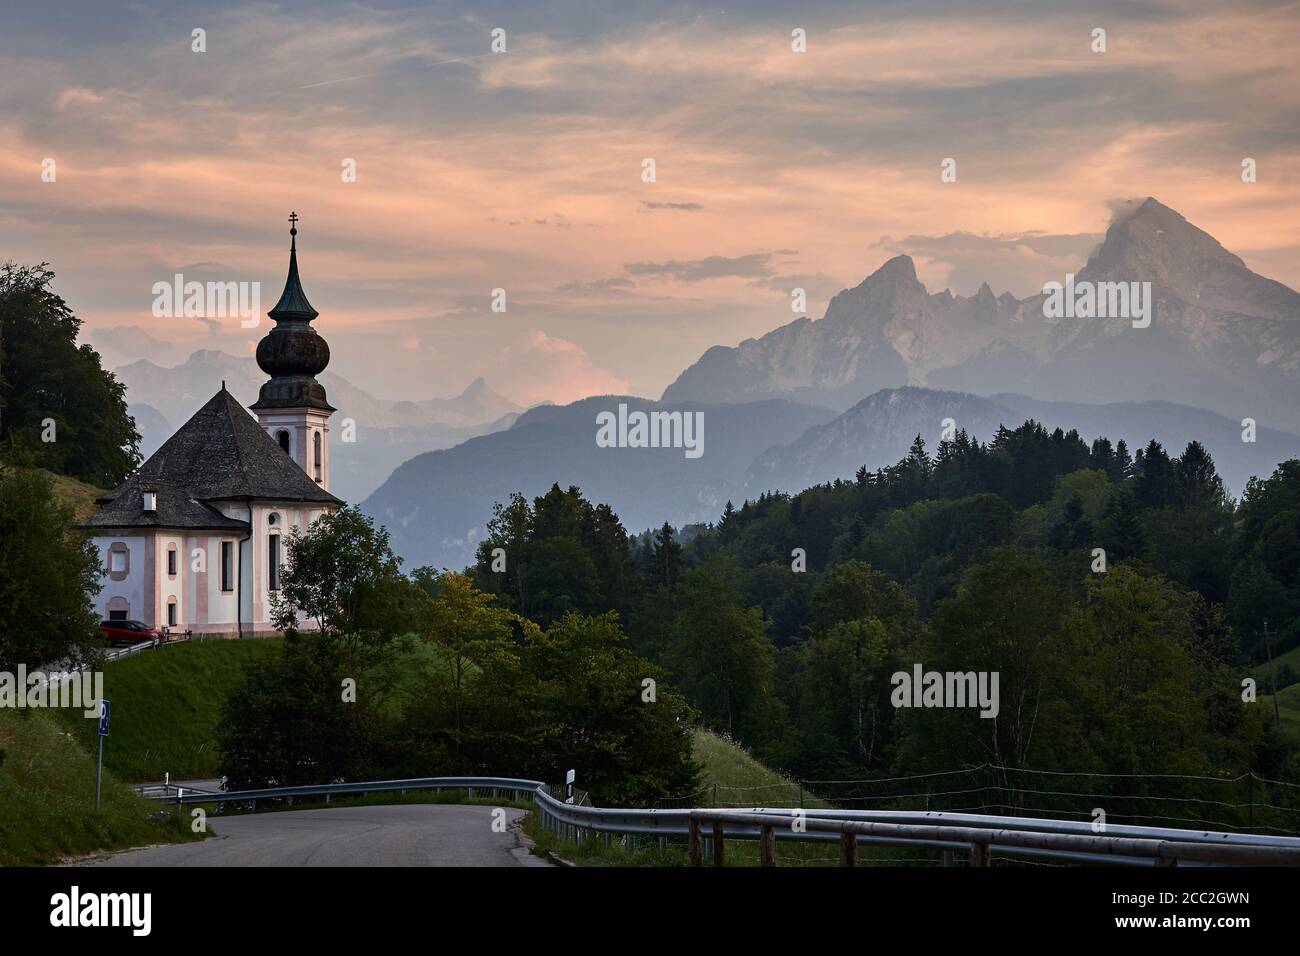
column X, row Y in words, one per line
column 195, row 540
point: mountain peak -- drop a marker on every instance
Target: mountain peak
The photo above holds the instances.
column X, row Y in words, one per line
column 1149, row 239
column 475, row 387
column 899, row 267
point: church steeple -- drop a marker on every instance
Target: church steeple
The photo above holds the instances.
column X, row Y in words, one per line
column 292, row 352
column 293, row 302
column 291, row 406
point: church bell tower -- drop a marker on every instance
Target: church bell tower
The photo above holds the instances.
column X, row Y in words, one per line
column 291, row 406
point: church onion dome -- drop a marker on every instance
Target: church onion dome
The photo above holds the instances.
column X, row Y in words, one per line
column 292, row 352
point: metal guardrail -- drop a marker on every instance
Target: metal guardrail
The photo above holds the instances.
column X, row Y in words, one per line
column 130, row 650
column 484, row 785
column 707, row 830
column 1026, row 837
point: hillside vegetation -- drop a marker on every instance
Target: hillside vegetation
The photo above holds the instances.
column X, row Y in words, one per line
column 47, row 798
column 77, row 495
column 732, row 777
column 166, row 705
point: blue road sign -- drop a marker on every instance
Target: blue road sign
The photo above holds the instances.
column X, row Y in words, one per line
column 103, row 718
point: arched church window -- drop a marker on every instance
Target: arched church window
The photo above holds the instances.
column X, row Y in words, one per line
column 317, row 453
column 282, row 436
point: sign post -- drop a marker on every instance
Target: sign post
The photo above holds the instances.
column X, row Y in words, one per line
column 568, row 787
column 103, row 732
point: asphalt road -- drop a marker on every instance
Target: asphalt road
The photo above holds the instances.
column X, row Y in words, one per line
column 404, row 835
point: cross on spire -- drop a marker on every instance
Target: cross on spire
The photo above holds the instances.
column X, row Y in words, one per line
column 293, row 232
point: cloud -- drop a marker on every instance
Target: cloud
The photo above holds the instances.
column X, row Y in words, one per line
column 818, row 287
column 540, row 367
column 615, row 286
column 165, row 160
column 754, row 265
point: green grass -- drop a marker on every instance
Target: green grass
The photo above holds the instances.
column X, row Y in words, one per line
column 1286, row 659
column 736, row 779
column 77, row 494
column 47, row 798
column 593, row 851
column 166, row 704
column 1288, row 701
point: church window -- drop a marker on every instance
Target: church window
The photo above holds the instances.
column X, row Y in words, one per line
column 171, row 613
column 273, row 562
column 171, row 561
column 282, row 436
column 227, row 566
column 119, row 561
column 317, row 453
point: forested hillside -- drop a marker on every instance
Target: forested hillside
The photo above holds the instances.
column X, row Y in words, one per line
column 1122, row 597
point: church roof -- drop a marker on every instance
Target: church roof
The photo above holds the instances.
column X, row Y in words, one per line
column 174, row 508
column 223, row 453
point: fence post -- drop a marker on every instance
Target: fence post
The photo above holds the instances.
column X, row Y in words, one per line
column 717, row 844
column 696, row 850
column 848, row 849
column 980, row 855
column 948, row 859
column 767, row 845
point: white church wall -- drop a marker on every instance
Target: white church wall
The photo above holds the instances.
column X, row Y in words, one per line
column 302, row 426
column 131, row 587
column 222, row 604
column 172, row 585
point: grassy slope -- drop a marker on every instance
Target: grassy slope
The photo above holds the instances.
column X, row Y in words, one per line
column 166, row 704
column 78, row 494
column 47, row 781
column 741, row 781
column 1288, row 707
column 1260, row 671
column 47, row 798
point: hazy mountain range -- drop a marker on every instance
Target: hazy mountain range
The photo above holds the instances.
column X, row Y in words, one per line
column 437, row 505
column 1221, row 337
column 878, row 431
column 815, row 400
column 387, row 432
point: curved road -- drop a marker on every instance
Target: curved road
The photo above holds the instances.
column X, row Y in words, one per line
column 404, row 835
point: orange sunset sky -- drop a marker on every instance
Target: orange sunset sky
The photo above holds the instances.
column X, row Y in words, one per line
column 522, row 170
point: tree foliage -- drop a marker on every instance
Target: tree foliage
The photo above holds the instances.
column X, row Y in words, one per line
column 48, row 574
column 56, row 401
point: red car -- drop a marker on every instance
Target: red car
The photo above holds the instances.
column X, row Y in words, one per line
column 130, row 632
